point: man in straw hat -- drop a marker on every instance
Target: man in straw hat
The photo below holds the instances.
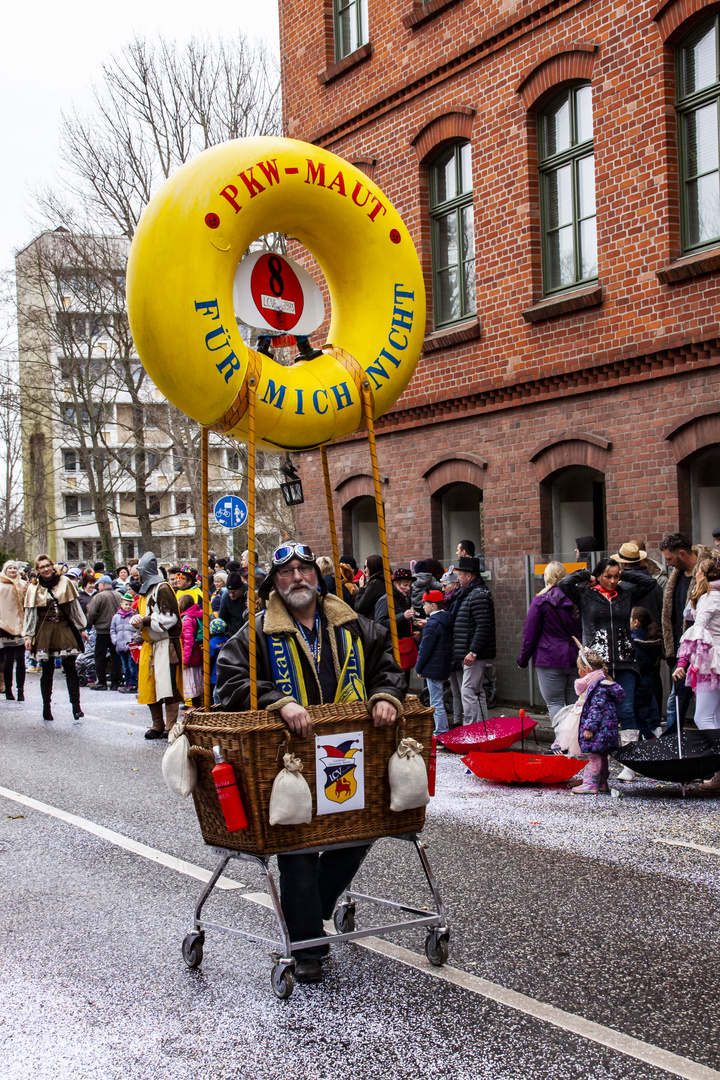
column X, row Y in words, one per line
column 311, row 649
column 632, row 557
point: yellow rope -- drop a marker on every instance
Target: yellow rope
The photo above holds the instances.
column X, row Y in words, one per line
column 331, row 520
column 252, row 654
column 204, row 566
column 380, row 508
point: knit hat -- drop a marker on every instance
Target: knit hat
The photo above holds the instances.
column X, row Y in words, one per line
column 217, row 626
column 234, row 580
column 433, row 597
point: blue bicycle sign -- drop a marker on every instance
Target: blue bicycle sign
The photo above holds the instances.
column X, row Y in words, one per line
column 231, row 511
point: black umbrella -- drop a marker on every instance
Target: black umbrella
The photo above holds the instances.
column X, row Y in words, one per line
column 692, row 755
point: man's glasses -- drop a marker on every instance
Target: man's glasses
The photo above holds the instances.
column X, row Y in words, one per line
column 289, row 572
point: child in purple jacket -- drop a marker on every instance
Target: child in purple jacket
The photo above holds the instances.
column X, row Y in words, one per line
column 598, row 726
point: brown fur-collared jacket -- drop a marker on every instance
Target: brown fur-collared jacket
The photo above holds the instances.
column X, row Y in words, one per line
column 383, row 678
column 669, row 645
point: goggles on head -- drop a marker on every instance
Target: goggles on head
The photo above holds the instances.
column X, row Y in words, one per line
column 287, row 552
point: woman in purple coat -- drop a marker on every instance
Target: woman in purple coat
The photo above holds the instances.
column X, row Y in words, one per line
column 550, row 626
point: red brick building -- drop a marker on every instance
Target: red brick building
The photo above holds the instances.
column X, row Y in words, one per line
column 568, row 383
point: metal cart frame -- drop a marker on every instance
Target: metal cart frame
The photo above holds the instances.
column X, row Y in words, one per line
column 282, row 975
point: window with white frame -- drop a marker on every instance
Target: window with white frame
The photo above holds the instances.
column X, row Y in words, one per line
column 698, row 101
column 350, row 21
column 453, row 235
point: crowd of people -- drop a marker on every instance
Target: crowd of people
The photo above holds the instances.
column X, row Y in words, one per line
column 627, row 612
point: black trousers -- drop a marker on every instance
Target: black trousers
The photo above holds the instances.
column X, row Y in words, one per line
column 71, row 678
column 103, row 646
column 14, row 655
column 309, row 889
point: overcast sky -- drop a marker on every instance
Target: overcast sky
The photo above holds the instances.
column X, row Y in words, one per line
column 49, row 55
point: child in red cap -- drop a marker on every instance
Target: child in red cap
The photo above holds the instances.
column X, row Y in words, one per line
column 435, row 654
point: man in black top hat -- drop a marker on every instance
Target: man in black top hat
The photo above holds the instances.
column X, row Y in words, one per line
column 473, row 637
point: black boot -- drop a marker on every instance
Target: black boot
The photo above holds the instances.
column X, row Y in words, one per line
column 9, row 694
column 46, row 684
column 21, row 695
column 47, row 715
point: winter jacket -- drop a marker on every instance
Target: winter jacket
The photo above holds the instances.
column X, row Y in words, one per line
column 367, row 597
column 382, row 616
column 234, row 612
column 423, row 583
column 474, row 629
column 101, row 610
column 383, row 678
column 347, row 596
column 600, row 716
column 671, row 645
column 216, row 643
column 606, row 623
column 85, row 599
column 121, row 632
column 551, row 623
column 653, row 602
column 649, row 655
column 436, row 647
column 191, row 649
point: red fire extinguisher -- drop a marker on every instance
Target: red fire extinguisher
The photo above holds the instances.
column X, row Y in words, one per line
column 224, row 776
column 433, row 766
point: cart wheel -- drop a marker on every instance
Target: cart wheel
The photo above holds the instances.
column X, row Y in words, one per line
column 192, row 949
column 436, row 949
column 283, row 981
column 344, row 918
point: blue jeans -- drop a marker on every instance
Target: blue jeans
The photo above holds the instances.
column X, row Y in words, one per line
column 130, row 668
column 437, row 702
column 626, row 711
column 679, row 695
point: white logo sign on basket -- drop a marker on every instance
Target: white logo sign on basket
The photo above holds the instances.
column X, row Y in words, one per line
column 340, row 772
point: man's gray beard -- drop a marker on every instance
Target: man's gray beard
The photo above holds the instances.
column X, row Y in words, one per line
column 299, row 598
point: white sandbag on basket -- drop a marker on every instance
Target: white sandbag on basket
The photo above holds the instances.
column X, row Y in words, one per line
column 178, row 768
column 290, row 798
column 408, row 777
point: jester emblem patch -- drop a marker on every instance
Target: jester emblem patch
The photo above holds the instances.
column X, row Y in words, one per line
column 340, row 773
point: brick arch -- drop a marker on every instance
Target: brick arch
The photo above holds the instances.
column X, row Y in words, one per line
column 675, row 17
column 455, row 469
column 562, row 64
column 453, row 123
column 568, row 452
column 693, row 436
column 366, row 165
column 350, row 490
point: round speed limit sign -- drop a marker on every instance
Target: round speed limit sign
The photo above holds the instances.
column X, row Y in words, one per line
column 272, row 292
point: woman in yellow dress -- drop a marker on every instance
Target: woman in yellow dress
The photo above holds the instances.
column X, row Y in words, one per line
column 160, row 668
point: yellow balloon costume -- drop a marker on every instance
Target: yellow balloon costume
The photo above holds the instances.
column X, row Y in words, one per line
column 183, row 259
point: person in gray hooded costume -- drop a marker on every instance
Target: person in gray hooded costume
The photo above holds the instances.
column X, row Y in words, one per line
column 159, row 675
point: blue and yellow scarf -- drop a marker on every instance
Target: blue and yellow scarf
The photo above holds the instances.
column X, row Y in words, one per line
column 287, row 670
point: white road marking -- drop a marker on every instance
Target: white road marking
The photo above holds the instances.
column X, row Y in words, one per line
column 577, row 1025
column 688, row 844
column 116, row 723
column 161, row 857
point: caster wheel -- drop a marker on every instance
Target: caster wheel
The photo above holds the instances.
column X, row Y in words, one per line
column 436, row 949
column 192, row 949
column 283, row 981
column 344, row 919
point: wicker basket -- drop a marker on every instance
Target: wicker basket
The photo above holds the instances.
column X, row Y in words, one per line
column 251, row 740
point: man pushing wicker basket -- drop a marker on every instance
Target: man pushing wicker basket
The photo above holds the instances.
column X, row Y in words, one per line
column 312, row 649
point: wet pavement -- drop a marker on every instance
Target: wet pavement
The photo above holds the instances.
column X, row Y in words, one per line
column 582, row 903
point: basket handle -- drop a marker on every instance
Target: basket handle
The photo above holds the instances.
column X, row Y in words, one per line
column 201, row 752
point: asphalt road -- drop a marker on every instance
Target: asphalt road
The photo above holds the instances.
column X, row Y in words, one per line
column 582, row 904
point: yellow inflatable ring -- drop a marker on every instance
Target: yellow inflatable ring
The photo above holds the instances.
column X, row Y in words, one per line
column 183, row 259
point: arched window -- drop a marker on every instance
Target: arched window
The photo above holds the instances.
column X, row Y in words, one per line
column 567, row 189
column 698, row 96
column 365, row 534
column 577, row 499
column 453, row 234
column 705, row 494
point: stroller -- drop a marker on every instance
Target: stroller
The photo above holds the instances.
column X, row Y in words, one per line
column 85, row 662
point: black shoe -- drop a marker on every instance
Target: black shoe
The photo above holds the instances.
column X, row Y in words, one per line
column 77, row 712
column 153, row 733
column 308, row 970
column 21, row 696
column 99, row 686
column 9, row 695
column 47, row 715
column 114, row 686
